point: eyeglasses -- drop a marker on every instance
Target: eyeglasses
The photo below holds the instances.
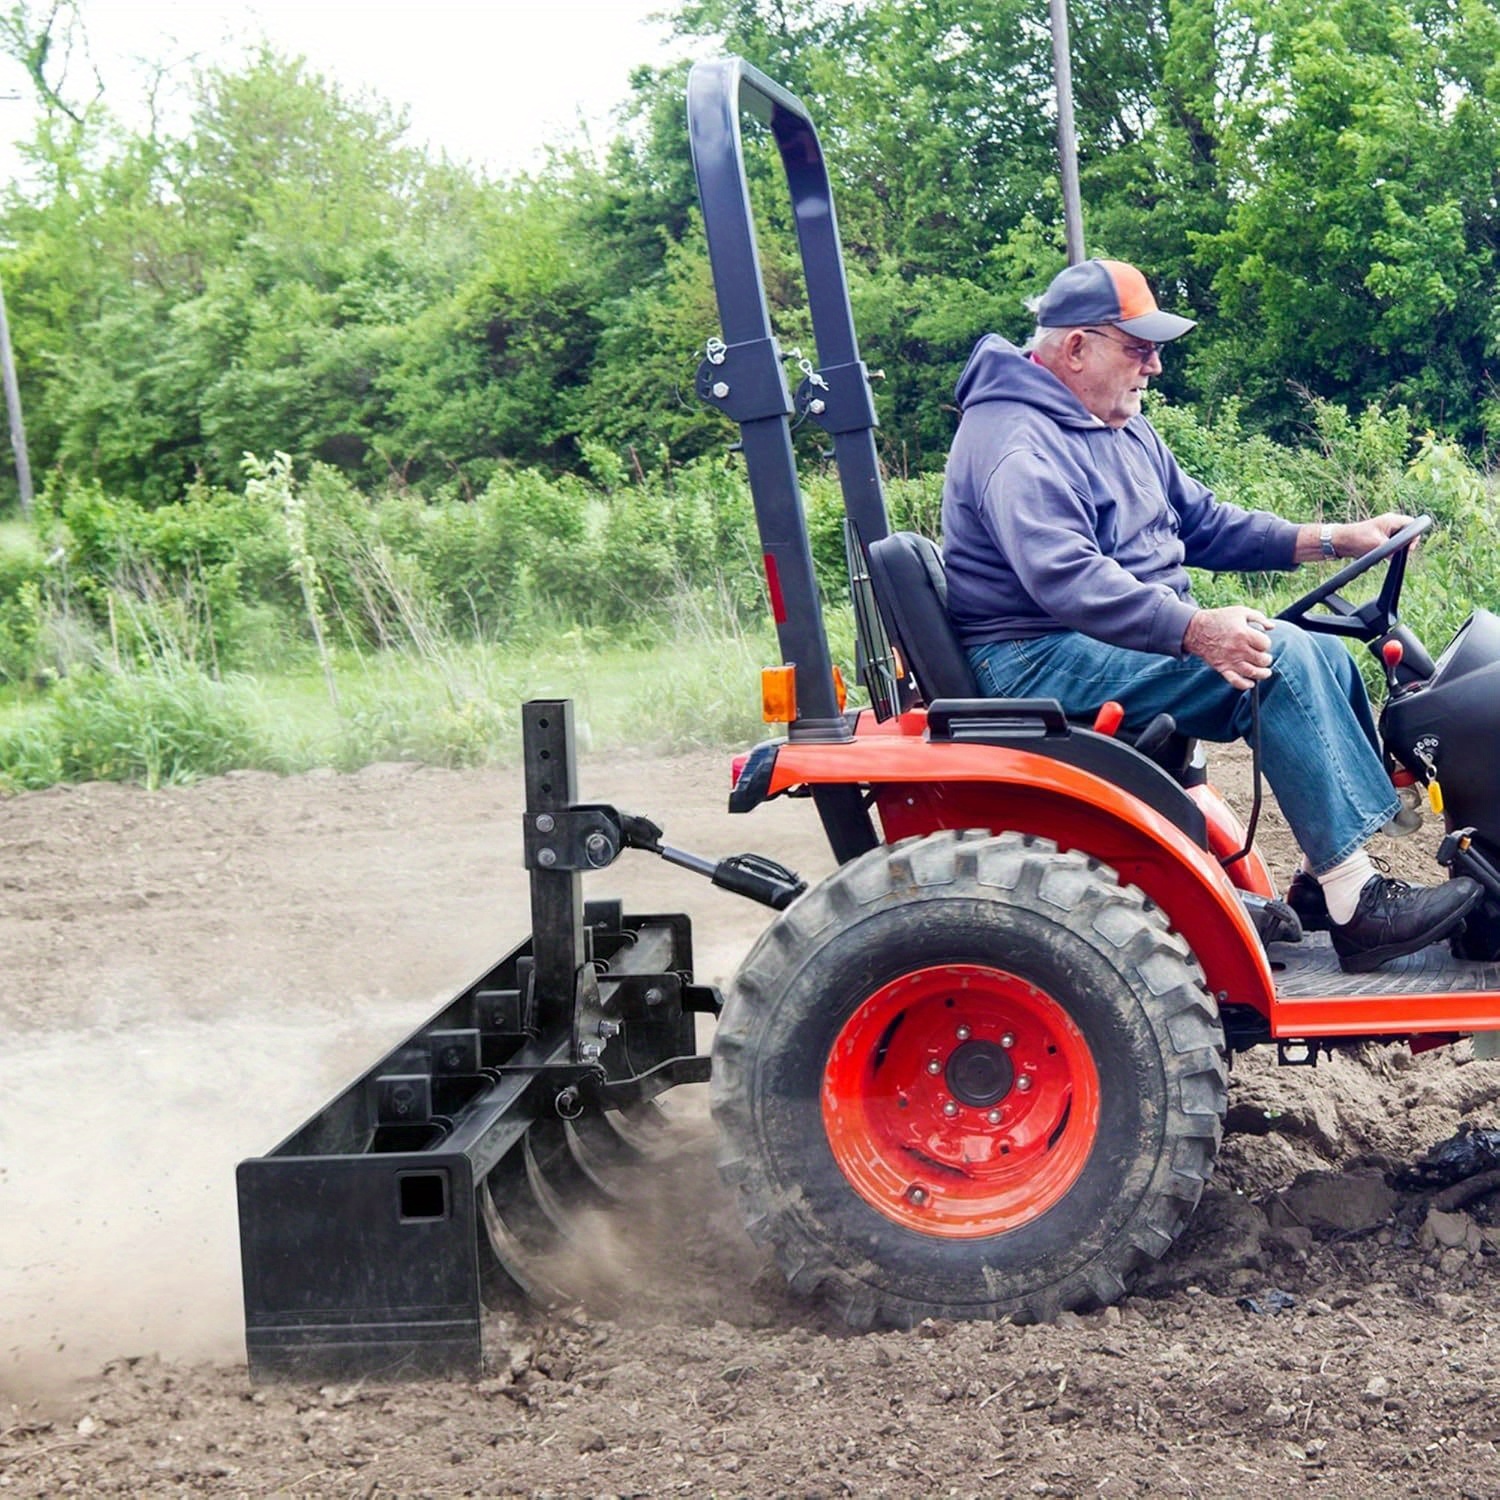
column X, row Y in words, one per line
column 1141, row 350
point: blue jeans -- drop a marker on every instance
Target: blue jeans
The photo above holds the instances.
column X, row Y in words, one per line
column 1318, row 742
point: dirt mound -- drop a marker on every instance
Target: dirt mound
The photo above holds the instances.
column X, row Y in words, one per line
column 191, row 972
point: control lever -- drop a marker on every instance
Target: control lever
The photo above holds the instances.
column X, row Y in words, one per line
column 1392, row 654
column 1457, row 853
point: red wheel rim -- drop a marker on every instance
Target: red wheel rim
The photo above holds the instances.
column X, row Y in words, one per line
column 960, row 1101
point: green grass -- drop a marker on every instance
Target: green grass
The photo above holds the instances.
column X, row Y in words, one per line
column 451, row 703
column 463, row 708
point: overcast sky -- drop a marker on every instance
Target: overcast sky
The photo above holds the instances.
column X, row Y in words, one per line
column 489, row 81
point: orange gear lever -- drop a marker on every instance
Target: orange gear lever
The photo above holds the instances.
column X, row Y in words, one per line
column 1109, row 718
column 1391, row 654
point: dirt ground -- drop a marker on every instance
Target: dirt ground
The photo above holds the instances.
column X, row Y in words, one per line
column 189, row 973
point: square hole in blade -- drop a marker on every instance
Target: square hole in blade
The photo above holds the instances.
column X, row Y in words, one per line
column 423, row 1195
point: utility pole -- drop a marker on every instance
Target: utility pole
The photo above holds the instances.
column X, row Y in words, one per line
column 13, row 411
column 13, row 393
column 1067, row 141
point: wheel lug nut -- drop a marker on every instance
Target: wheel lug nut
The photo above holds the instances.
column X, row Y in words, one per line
column 934, row 1066
column 950, row 1109
column 993, row 1117
column 916, row 1196
column 964, row 1033
column 1008, row 1040
column 1024, row 1082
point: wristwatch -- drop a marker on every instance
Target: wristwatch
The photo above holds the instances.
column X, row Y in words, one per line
column 1325, row 540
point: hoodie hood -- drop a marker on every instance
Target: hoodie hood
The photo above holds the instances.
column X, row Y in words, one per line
column 998, row 371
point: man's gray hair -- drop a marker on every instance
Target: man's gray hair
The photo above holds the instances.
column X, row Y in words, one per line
column 1044, row 338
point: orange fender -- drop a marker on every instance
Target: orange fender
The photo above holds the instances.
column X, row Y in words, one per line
column 921, row 786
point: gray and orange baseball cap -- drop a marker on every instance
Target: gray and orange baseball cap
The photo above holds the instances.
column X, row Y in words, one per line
column 1108, row 291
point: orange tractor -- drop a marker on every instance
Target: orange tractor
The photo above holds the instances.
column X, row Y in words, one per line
column 980, row 1069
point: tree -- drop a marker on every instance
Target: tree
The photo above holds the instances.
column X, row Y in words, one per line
column 1356, row 257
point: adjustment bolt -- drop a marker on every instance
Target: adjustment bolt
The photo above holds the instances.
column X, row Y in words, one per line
column 654, row 996
column 933, row 1065
column 608, row 1029
column 721, row 389
column 993, row 1117
column 916, row 1196
column 1008, row 1040
column 1024, row 1082
column 596, row 846
column 964, row 1033
column 818, row 407
column 589, row 1051
column 950, row 1109
column 546, row 858
column 545, row 822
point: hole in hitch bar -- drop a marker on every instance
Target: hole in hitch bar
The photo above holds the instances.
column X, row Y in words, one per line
column 422, row 1195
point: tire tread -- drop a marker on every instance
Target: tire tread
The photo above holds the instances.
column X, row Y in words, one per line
column 1098, row 907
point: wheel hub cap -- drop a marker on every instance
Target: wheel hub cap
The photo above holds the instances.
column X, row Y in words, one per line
column 979, row 1074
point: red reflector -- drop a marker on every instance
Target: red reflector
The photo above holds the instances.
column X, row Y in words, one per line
column 773, row 587
column 737, row 769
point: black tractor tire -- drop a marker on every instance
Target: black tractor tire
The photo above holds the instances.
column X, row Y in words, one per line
column 920, row 982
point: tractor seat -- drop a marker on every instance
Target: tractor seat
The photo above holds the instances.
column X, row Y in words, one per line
column 911, row 590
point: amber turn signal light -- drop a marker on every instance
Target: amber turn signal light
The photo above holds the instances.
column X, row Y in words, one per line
column 778, row 694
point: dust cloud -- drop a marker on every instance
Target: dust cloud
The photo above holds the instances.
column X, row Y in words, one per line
column 118, row 1150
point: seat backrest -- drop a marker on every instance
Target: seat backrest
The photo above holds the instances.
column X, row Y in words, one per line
column 912, row 592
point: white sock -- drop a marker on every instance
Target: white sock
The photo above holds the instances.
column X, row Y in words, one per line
column 1343, row 883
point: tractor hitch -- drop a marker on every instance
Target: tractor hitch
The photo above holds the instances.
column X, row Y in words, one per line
column 751, row 875
column 590, row 835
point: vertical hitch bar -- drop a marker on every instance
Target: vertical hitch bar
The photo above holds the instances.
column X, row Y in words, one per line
column 558, row 944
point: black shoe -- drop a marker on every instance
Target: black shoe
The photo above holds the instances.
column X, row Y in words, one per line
column 1393, row 918
column 1305, row 897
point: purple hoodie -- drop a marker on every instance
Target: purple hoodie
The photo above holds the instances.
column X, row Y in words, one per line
column 1053, row 520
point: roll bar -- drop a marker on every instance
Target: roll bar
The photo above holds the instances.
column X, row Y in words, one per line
column 744, row 377
column 744, row 374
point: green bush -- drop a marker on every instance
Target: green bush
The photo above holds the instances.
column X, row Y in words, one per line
column 154, row 728
column 23, row 575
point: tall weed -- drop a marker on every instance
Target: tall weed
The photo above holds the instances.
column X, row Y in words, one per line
column 153, row 727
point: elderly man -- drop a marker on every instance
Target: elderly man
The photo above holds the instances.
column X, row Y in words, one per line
column 1068, row 528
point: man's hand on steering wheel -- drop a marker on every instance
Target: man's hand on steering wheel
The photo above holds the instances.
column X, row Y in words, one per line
column 1234, row 641
column 1350, row 538
column 1355, row 538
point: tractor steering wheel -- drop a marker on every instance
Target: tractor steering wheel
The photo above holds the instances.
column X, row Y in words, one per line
column 1376, row 618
